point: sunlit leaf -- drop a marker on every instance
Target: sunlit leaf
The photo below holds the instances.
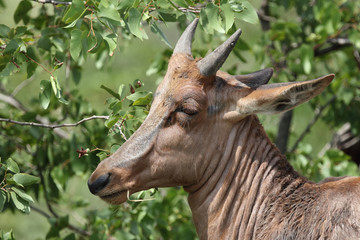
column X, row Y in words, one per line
column 3, row 199
column 11, row 47
column 74, row 11
column 306, row 56
column 134, row 24
column 111, row 40
column 108, row 12
column 25, row 179
column 228, row 16
column 249, row 13
column 75, row 44
column 140, row 98
column 20, row 203
column 45, row 95
column 12, row 166
column 4, row 31
column 110, row 91
column 21, row 12
column 122, row 91
column 22, row 194
column 213, row 16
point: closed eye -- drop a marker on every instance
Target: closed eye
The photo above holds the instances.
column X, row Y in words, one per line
column 188, row 111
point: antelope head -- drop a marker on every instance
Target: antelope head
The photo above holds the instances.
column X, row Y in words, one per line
column 194, row 109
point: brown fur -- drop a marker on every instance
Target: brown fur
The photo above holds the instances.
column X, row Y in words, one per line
column 201, row 133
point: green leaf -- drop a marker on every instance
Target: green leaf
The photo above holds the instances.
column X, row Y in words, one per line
column 21, row 12
column 306, row 57
column 45, row 95
column 19, row 203
column 109, row 12
column 8, row 70
column 112, row 121
column 21, row 30
column 114, row 148
column 22, row 194
column 12, row 166
column 122, row 91
column 8, row 235
column 11, row 47
column 25, row 179
column 44, row 43
column 213, row 16
column 228, row 16
column 181, row 3
column 205, row 22
column 249, row 14
column 354, row 37
column 125, row 4
column 75, row 44
column 4, row 31
column 140, row 98
column 57, row 90
column 155, row 29
column 3, row 199
column 114, row 94
column 30, row 68
column 101, row 155
column 111, row 40
column 55, row 86
column 134, row 23
column 74, row 12
column 167, row 15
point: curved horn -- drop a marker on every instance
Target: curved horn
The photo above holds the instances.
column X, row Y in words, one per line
column 210, row 64
column 184, row 43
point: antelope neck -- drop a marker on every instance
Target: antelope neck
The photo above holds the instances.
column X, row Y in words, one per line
column 249, row 170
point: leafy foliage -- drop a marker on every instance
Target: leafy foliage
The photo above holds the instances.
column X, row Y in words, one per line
column 51, row 43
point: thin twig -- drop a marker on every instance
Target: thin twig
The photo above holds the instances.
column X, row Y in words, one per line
column 70, row 226
column 336, row 43
column 40, row 211
column 318, row 111
column 357, row 57
column 22, row 85
column 182, row 9
column 53, row 126
column 39, row 64
column 53, row 2
column 11, row 100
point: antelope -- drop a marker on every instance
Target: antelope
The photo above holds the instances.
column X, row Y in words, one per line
column 202, row 133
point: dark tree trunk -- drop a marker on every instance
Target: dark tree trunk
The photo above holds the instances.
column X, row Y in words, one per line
column 282, row 138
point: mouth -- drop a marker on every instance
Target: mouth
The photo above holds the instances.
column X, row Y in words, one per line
column 118, row 197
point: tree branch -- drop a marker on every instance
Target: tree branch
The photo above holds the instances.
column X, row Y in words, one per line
column 53, row 2
column 357, row 57
column 282, row 138
column 336, row 44
column 53, row 126
column 70, row 226
column 13, row 102
column 318, row 113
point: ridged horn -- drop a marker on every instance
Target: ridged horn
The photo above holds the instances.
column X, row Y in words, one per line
column 210, row 64
column 185, row 41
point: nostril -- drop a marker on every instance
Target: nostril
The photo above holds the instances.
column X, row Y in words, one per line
column 99, row 183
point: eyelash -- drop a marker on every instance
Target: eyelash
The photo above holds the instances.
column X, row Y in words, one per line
column 190, row 112
column 185, row 120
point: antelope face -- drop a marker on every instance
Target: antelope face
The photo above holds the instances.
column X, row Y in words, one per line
column 193, row 111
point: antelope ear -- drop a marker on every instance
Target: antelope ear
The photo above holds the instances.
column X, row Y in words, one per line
column 278, row 97
column 256, row 79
